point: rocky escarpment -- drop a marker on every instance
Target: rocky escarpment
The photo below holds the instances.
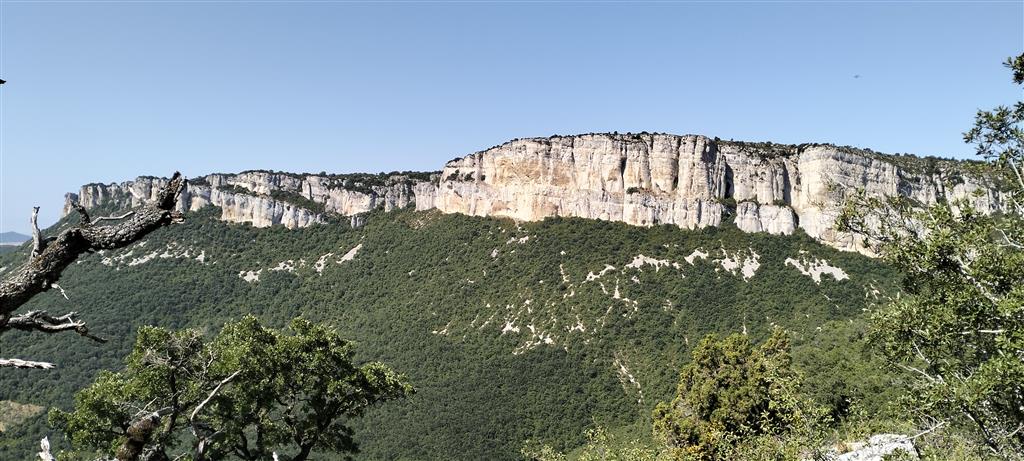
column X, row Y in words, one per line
column 693, row 181
column 265, row 198
column 641, row 179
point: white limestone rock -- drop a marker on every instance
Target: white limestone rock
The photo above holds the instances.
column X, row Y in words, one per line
column 247, row 196
column 651, row 179
column 773, row 219
column 640, row 179
column 875, row 448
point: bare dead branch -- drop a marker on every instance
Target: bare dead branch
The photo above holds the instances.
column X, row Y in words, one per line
column 18, row 363
column 113, row 218
column 43, row 322
column 206, row 438
column 1010, row 242
column 930, row 378
column 1016, row 172
column 989, row 332
column 37, row 275
column 926, row 431
column 61, row 289
column 964, row 269
column 44, row 450
column 37, row 241
column 85, row 220
column 213, row 393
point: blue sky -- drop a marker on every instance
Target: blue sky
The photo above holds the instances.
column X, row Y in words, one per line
column 103, row 92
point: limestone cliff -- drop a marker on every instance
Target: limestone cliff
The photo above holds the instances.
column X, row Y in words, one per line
column 642, row 179
column 264, row 198
column 693, row 181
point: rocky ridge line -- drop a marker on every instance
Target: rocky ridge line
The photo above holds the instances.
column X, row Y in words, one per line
column 690, row 181
column 263, row 198
column 693, row 181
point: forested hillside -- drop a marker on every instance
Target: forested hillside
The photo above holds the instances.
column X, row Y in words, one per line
column 509, row 332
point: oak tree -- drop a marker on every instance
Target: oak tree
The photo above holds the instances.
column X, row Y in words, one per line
column 250, row 393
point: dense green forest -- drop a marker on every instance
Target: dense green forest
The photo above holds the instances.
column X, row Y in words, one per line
column 510, row 332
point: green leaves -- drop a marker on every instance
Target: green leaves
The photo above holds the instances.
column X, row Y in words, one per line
column 546, row 393
column 960, row 330
column 731, row 394
column 248, row 393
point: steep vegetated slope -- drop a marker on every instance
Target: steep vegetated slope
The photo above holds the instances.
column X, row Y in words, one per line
column 509, row 331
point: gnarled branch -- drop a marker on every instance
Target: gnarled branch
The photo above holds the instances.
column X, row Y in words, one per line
column 41, row 271
column 52, row 255
column 44, row 450
column 113, row 218
column 43, row 322
column 18, row 363
column 37, row 241
column 83, row 214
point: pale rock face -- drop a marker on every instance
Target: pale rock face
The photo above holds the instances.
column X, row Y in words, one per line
column 670, row 179
column 651, row 179
column 426, row 195
column 689, row 181
column 261, row 211
column 752, row 217
column 876, row 448
column 247, row 197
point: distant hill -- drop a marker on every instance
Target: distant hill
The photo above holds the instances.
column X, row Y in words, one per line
column 688, row 181
column 530, row 291
column 510, row 331
column 13, row 238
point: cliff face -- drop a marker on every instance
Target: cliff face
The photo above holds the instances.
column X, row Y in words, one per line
column 262, row 198
column 689, row 181
column 647, row 179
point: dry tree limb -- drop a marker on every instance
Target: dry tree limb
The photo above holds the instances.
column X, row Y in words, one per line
column 61, row 289
column 44, row 450
column 87, row 221
column 50, row 258
column 213, row 393
column 113, row 218
column 43, row 322
column 18, row 363
column 37, row 241
column 202, row 433
column 36, row 275
column 83, row 214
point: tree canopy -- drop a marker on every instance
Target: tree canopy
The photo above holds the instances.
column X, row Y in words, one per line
column 249, row 393
column 960, row 326
column 729, row 395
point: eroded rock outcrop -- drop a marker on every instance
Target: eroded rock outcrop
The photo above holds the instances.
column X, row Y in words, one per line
column 693, row 181
column 264, row 198
column 643, row 179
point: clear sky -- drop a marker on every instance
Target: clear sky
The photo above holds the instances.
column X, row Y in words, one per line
column 106, row 91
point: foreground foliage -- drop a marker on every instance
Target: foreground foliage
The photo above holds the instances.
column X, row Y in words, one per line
column 602, row 445
column 248, row 393
column 417, row 273
column 960, row 329
column 734, row 401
